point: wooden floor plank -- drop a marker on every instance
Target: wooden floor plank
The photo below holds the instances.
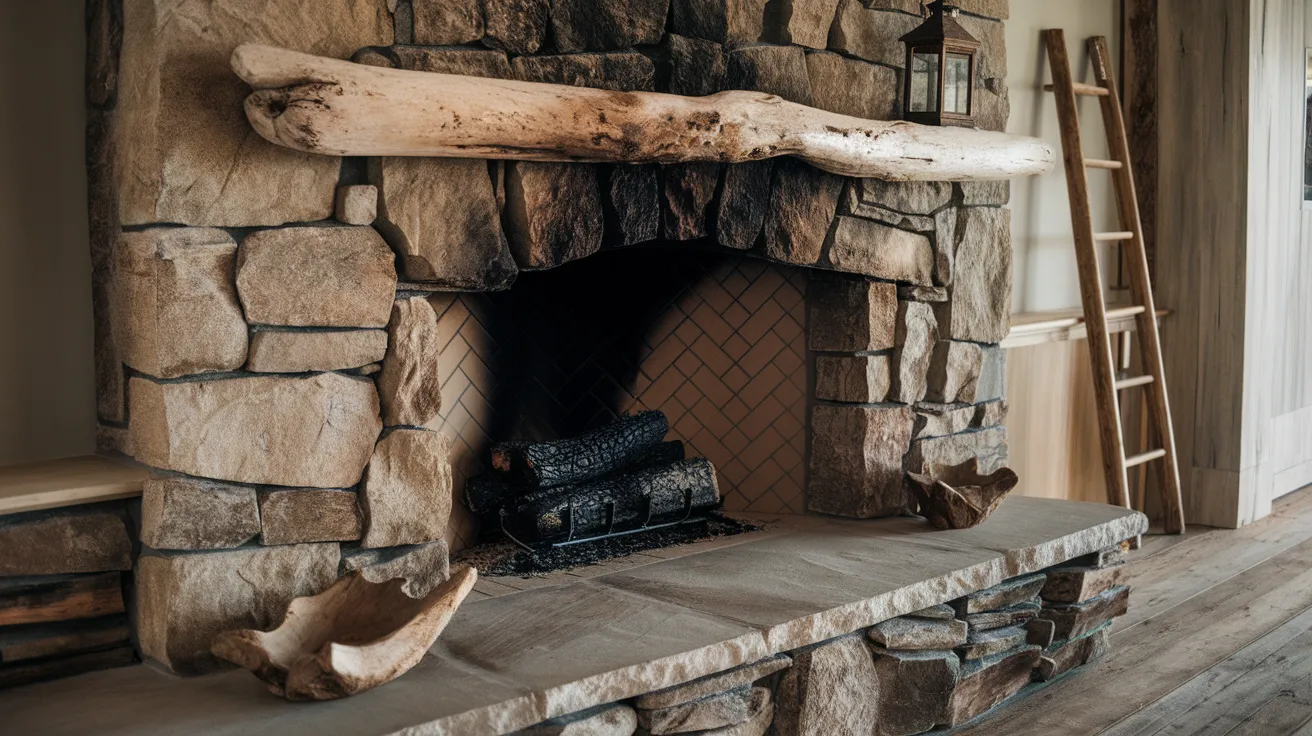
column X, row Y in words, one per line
column 1281, row 715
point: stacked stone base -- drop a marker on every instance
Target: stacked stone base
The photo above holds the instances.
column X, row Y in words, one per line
column 938, row 668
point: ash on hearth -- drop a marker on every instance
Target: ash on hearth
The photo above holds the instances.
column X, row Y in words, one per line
column 619, row 479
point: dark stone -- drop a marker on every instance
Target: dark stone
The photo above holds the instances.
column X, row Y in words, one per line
column 1065, row 656
column 634, row 197
column 1078, row 619
column 987, row 682
column 743, row 202
column 1011, row 616
column 602, row 25
column 983, row 644
column 470, row 62
column 850, row 315
column 446, row 22
column 516, row 26
column 940, row 612
column 104, row 37
column 62, row 541
column 622, row 71
column 1040, row 632
column 852, row 87
column 103, row 232
column 828, row 691
column 720, row 710
column 695, row 67
column 1003, row 595
column 1109, row 557
column 1075, row 584
column 803, row 203
column 732, row 22
column 915, row 690
column 801, row 22
column 856, row 460
column 553, row 213
column 777, row 70
column 910, row 633
column 853, row 379
column 688, row 191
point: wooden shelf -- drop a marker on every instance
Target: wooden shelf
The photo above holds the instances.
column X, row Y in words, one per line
column 1036, row 328
column 67, row 482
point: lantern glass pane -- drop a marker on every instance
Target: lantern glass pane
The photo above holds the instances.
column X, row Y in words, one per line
column 924, row 81
column 956, row 84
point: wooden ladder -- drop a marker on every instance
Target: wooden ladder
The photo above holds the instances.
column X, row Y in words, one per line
column 1107, row 384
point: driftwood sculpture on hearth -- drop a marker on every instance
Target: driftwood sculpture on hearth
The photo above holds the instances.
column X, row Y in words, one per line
column 960, row 497
column 333, row 107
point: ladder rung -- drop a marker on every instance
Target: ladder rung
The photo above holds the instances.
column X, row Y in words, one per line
column 1122, row 312
column 1125, row 383
column 1147, row 457
column 1113, row 237
column 1098, row 163
column 1087, row 90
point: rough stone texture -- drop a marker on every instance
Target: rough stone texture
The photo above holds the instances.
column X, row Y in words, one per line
column 719, row 710
column 941, row 420
column 284, row 351
column 316, row 431
column 608, row 720
column 185, row 600
column 422, row 566
column 470, row 62
column 290, row 516
column 852, row 87
column 932, row 294
column 1075, row 584
column 853, row 379
column 316, row 277
column 407, row 492
column 985, row 193
column 1040, row 632
column 356, row 204
column 705, row 686
column 987, row 8
column 995, row 641
column 991, row 107
column 954, row 372
column 909, row 197
column 1110, row 557
column 945, row 238
column 1019, row 613
column 516, row 26
column 600, row 25
column 446, row 22
column 58, row 542
column 941, row 612
column 744, row 199
column 992, row 384
column 872, row 35
column 757, row 724
column 915, row 689
column 193, row 513
column 1063, row 658
column 991, row 414
column 828, row 691
column 687, row 192
column 103, row 232
column 980, row 309
column 553, row 213
column 989, row 445
column 696, row 67
column 185, row 152
column 852, row 204
column 803, row 202
column 174, row 307
column 856, row 460
column 916, row 336
column 909, row 633
column 1077, row 619
column 633, row 214
column 851, row 315
column 988, row 682
column 410, row 384
column 777, row 70
column 1003, row 595
column 732, row 22
column 622, row 71
column 872, row 249
column 802, row 22
column 442, row 219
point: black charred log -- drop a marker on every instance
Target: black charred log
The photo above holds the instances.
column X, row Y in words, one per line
column 583, row 458
column 626, row 502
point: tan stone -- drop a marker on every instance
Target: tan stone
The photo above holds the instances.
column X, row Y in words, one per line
column 980, row 308
column 856, row 460
column 286, row 351
column 933, row 294
column 732, row 22
column 829, row 690
column 175, row 309
column 64, row 541
column 719, row 710
column 852, row 87
column 410, row 384
column 853, row 379
column 553, row 213
column 446, row 22
column 407, row 492
column 941, row 612
column 185, row 600
column 316, row 277
column 608, row 720
column 802, row 22
column 851, row 315
column 869, row 248
column 803, row 203
column 194, row 513
column 869, row 34
column 517, row 26
column 776, row 70
column 316, row 431
column 916, row 336
column 992, row 384
column 954, row 372
column 422, row 566
column 711, row 684
column 985, row 193
column 915, row 689
column 931, row 455
column 909, row 633
column 852, row 204
column 185, row 152
column 991, row 414
column 986, row 683
column 356, row 204
column 940, row 420
column 294, row 516
column 910, row 197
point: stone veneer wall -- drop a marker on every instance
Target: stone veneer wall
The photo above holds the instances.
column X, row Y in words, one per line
column 266, row 331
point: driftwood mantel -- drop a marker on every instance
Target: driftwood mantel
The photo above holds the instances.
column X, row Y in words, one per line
column 339, row 108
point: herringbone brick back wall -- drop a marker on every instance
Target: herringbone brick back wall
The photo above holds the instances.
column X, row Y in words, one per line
column 724, row 357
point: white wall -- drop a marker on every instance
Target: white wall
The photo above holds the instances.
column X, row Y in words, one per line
column 1044, row 272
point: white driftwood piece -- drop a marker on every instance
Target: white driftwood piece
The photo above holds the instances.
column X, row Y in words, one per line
column 353, row 637
column 339, row 108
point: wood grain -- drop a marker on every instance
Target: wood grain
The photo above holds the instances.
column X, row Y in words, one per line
column 67, row 482
column 38, row 600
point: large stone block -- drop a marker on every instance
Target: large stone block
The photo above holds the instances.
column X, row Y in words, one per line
column 553, row 213
column 517, row 26
column 1077, row 619
column 1064, row 657
column 856, row 460
column 316, row 277
column 194, row 513
column 407, row 492
column 184, row 600
column 910, row 197
column 602, row 25
column 803, row 202
column 1003, row 595
column 732, row 22
column 410, row 383
column 869, row 248
column 915, row 690
column 938, row 420
column 286, row 351
column 471, row 62
column 60, row 542
column 852, row 379
column 1075, row 584
column 185, row 152
column 852, row 87
column 991, row 642
column 441, row 217
column 622, row 71
column 986, row 683
column 929, row 456
column 918, row 634
column 995, row 193
column 980, row 307
column 777, row 70
column 633, row 214
column 992, row 384
column 916, row 336
column 954, row 372
column 800, row 22
column 851, row 315
column 446, row 22
column 687, row 192
column 744, row 199
column 422, row 566
column 829, row 690
column 696, row 67
column 297, row 516
column 175, row 309
column 356, row 204
column 873, row 35
column 317, row 431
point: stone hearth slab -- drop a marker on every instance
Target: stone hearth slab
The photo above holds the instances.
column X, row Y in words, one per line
column 520, row 658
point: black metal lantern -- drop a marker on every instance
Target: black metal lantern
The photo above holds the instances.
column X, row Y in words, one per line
column 940, row 70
